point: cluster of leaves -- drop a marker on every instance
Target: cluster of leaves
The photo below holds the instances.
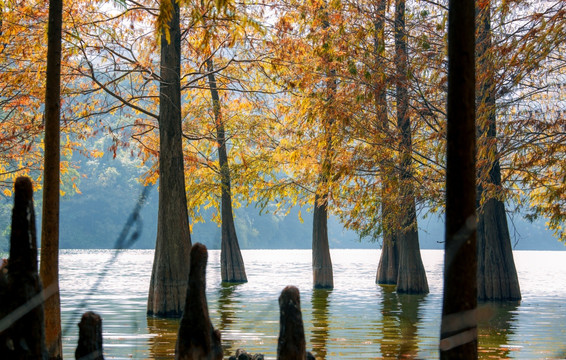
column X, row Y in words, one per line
column 299, row 84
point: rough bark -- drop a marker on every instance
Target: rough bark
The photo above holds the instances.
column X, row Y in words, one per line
column 90, row 337
column 231, row 262
column 168, row 284
column 387, row 269
column 291, row 344
column 458, row 332
column 388, row 266
column 321, row 261
column 49, row 268
column 197, row 339
column 497, row 275
column 22, row 327
column 411, row 275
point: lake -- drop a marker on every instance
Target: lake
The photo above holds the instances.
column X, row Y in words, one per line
column 356, row 320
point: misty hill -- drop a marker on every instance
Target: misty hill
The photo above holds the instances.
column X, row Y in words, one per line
column 110, row 190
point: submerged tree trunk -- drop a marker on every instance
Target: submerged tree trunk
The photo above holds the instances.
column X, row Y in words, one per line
column 49, row 266
column 387, row 269
column 458, row 329
column 231, row 261
column 321, row 263
column 196, row 338
column 497, row 275
column 22, row 336
column 412, row 276
column 169, row 276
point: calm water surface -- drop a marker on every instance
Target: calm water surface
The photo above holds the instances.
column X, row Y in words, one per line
column 356, row 320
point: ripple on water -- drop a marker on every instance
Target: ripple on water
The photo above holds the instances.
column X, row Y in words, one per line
column 356, row 320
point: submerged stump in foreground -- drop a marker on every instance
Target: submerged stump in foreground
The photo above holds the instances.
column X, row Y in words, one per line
column 291, row 344
column 197, row 339
column 90, row 337
column 22, row 328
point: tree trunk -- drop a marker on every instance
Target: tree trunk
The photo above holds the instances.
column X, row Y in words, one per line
column 412, row 276
column 196, row 338
column 497, row 276
column 23, row 336
column 323, row 277
column 291, row 344
column 321, row 262
column 89, row 346
column 387, row 269
column 49, row 267
column 231, row 261
column 458, row 331
column 169, row 276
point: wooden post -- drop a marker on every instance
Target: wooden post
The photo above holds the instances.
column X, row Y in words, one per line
column 197, row 339
column 22, row 329
column 291, row 344
column 90, row 337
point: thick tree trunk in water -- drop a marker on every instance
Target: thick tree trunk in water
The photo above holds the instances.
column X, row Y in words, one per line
column 231, row 261
column 321, row 262
column 412, row 276
column 49, row 266
column 497, row 275
column 458, row 330
column 22, row 337
column 387, row 269
column 168, row 284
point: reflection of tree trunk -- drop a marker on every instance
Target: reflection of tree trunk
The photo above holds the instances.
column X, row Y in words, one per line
column 409, row 319
column 389, row 344
column 320, row 322
column 497, row 275
column 458, row 330
column 494, row 332
column 168, row 286
column 226, row 305
column 49, row 265
column 163, row 337
column 231, row 261
column 387, row 270
column 412, row 277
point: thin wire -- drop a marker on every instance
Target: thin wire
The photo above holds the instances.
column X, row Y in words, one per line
column 125, row 240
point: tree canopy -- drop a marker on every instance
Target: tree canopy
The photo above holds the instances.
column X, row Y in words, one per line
column 298, row 82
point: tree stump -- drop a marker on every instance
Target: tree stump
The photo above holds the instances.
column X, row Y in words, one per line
column 291, row 344
column 197, row 339
column 90, row 337
column 22, row 329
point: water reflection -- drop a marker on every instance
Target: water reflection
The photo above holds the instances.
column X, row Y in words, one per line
column 227, row 305
column 409, row 318
column 399, row 324
column 162, row 337
column 495, row 327
column 320, row 322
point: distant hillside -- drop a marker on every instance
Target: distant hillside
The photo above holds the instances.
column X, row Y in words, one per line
column 109, row 193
